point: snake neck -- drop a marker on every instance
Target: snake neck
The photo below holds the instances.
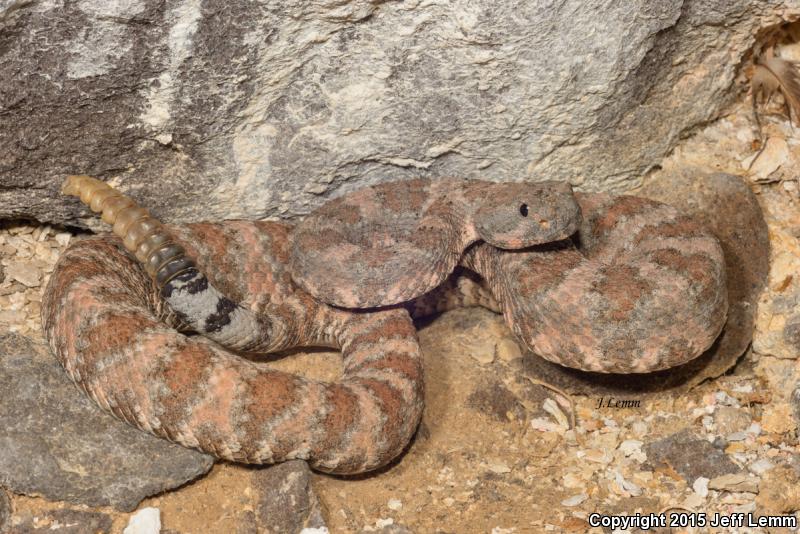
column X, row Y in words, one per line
column 522, row 280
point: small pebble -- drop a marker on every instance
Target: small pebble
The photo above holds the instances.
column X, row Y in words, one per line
column 507, row 350
column 552, row 408
column 724, row 399
column 145, row 521
column 24, row 273
column 544, row 425
column 769, row 160
column 575, row 500
column 395, row 504
column 63, row 238
column 626, row 485
column 738, row 482
column 736, row 436
column 499, row 467
column 700, row 486
column 571, row 481
column 596, row 455
column 719, row 443
column 639, row 428
column 693, row 501
column 759, row 467
column 633, row 448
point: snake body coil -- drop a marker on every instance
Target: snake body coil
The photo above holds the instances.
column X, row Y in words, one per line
column 637, row 288
column 105, row 319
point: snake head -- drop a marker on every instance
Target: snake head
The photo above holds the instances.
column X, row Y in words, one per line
column 518, row 215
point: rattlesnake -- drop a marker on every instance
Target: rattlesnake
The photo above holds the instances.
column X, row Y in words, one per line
column 117, row 328
column 390, row 243
column 641, row 287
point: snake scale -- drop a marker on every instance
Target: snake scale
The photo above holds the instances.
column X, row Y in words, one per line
column 637, row 287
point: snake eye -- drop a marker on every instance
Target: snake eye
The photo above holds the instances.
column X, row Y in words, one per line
column 523, row 210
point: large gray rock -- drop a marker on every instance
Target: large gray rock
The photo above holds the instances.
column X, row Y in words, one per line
column 55, row 442
column 204, row 110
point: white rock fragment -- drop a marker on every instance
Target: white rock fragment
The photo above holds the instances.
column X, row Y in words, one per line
column 632, row 448
column 571, row 481
column 754, row 429
column 626, row 485
column 314, row 530
column 62, row 238
column 700, row 486
column 575, row 500
column 395, row 504
column 550, row 406
column 499, row 467
column 738, row 482
column 693, row 501
column 639, row 428
column 24, row 273
column 759, row 467
column 708, row 422
column 774, row 155
column 724, row 399
column 145, row 521
column 596, row 455
column 543, row 425
column 610, row 423
column 383, row 523
column 736, row 436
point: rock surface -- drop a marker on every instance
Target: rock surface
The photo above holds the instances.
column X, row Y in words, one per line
column 208, row 110
column 55, row 442
column 287, row 502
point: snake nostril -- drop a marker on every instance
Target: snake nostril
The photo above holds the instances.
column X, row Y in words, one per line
column 523, row 210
